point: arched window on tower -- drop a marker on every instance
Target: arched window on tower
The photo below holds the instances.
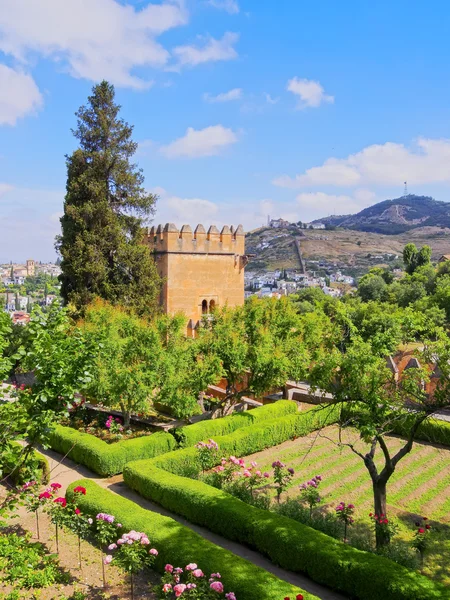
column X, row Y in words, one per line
column 204, row 307
column 212, row 306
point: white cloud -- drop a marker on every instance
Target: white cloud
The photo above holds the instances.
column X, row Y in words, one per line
column 203, row 142
column 5, row 188
column 183, row 210
column 380, row 164
column 234, row 94
column 318, row 204
column 230, row 6
column 92, row 39
column 19, row 95
column 210, row 51
column 309, row 92
column 269, row 99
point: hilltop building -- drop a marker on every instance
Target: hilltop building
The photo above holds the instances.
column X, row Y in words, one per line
column 200, row 270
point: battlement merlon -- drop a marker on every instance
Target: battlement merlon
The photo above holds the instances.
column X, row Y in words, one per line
column 168, row 238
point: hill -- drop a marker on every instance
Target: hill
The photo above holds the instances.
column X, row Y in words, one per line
column 393, row 217
column 351, row 250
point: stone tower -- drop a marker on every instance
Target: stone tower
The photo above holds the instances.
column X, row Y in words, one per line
column 200, row 270
column 30, row 267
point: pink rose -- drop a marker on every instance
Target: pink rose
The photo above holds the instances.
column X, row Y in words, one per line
column 153, row 551
column 168, row 568
column 167, row 588
column 191, row 586
column 198, row 573
column 179, row 589
column 112, row 546
column 191, row 567
column 217, row 586
column 230, row 596
column 108, row 558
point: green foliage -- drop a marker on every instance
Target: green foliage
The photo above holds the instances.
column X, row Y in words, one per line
column 260, row 345
column 191, row 434
column 27, row 565
column 179, row 545
column 372, row 287
column 107, row 459
column 105, row 208
column 414, row 258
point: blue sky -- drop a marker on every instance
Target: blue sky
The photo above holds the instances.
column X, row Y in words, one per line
column 242, row 108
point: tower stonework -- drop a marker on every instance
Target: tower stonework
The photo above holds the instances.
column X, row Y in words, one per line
column 200, row 270
column 30, row 268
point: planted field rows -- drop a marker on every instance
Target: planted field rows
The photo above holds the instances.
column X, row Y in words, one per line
column 420, row 485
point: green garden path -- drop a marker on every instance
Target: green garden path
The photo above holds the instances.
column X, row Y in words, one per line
column 65, row 472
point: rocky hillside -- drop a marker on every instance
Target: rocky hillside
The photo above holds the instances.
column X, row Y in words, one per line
column 393, row 217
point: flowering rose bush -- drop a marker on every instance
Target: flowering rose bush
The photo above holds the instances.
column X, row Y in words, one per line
column 309, row 494
column 132, row 553
column 344, row 513
column 381, row 522
column 114, row 425
column 105, row 534
column 297, row 597
column 191, row 583
column 421, row 539
column 207, row 454
column 282, row 477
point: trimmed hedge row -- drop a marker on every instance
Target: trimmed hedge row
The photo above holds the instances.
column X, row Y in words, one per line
column 179, row 545
column 252, row 439
column 286, row 542
column 108, row 459
column 432, row 430
column 190, row 435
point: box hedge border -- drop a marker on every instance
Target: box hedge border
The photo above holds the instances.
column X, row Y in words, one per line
column 286, row 542
column 179, row 545
column 191, row 434
column 108, row 459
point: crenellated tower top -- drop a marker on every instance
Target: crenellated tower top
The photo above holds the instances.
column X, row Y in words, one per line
column 169, row 238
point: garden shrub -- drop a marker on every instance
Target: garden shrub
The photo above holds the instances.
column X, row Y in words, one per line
column 286, row 542
column 37, row 468
column 432, row 430
column 179, row 545
column 108, row 459
column 191, row 434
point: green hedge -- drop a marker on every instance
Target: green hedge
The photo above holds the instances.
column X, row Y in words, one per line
column 108, row 459
column 191, row 434
column 179, row 546
column 253, row 439
column 286, row 542
column 432, row 430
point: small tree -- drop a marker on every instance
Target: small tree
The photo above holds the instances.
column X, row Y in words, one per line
column 373, row 403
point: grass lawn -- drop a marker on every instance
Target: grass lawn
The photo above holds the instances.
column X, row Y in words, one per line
column 419, row 487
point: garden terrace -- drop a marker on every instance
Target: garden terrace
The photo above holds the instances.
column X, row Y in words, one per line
column 286, row 542
column 178, row 545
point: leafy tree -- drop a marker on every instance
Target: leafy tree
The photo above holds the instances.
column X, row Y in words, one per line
column 259, row 345
column 105, row 208
column 442, row 294
column 375, row 405
column 413, row 258
column 371, row 287
column 60, row 359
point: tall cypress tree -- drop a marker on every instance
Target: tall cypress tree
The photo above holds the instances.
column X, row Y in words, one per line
column 105, row 209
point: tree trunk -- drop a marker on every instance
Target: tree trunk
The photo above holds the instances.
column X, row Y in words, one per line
column 126, row 418
column 381, row 531
column 200, row 401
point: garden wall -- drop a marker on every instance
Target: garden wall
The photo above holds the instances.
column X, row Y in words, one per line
column 179, row 546
column 286, row 542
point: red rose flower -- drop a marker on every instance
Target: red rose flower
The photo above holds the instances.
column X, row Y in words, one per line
column 55, row 486
column 45, row 495
column 427, row 526
column 425, row 518
column 61, row 501
column 77, row 511
column 80, row 490
column 421, row 530
column 299, row 597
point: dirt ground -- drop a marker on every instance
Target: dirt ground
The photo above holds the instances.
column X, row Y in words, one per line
column 89, row 579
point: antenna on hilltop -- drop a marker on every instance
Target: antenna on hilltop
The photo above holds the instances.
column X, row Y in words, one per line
column 405, row 191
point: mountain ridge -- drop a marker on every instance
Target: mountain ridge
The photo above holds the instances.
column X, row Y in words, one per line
column 395, row 216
